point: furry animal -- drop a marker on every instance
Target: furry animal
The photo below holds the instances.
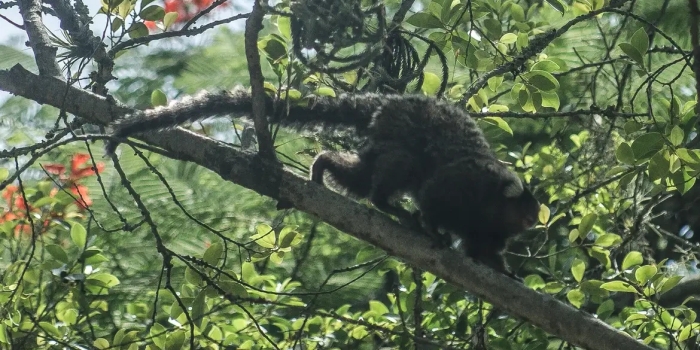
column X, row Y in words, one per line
column 416, row 145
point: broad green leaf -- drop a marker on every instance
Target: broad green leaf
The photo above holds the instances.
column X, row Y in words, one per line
column 640, row 41
column 542, row 80
column 101, row 343
column 152, row 13
column 632, row 126
column 517, row 12
column 605, row 309
column 198, row 308
column 284, row 27
column 682, row 181
column 676, row 136
column 546, row 65
column 608, row 240
column 495, row 82
column 175, row 340
column 587, row 223
column 138, row 30
column 169, row 18
column 289, row 238
column 500, row 123
column 644, row 273
column 78, row 234
column 325, row 91
column 212, row 255
column 577, row 269
column 508, row 38
column 496, row 108
column 424, row 20
column 574, row 235
column 558, row 5
column 658, row 166
column 543, row 215
column 625, row 154
column 431, row 83
column 646, row 145
column 633, row 258
column 618, row 286
column 632, row 52
column 57, row 252
column 550, row 99
column 576, row 297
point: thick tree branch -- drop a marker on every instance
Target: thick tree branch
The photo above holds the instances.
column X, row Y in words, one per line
column 44, row 52
column 267, row 178
column 253, row 25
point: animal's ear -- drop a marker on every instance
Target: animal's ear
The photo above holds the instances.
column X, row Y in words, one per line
column 514, row 189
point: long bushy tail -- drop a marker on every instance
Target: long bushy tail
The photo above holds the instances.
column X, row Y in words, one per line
column 344, row 111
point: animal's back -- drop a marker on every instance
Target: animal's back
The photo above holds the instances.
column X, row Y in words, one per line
column 422, row 125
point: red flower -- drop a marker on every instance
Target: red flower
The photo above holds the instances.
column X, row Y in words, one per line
column 76, row 173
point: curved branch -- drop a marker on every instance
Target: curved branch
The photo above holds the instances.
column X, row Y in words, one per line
column 267, row 178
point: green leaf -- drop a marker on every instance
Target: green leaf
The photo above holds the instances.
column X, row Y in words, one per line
column 169, row 19
column 273, row 48
column 625, row 154
column 587, row 223
column 644, row 273
column 608, row 240
column 234, row 288
column 550, row 99
column 632, row 126
column 553, row 287
column 573, row 235
column 658, row 167
column 424, row 20
column 632, row 52
column 284, row 27
column 517, row 12
column 669, row 283
column 495, row 82
column 138, row 30
column 57, row 252
column 152, row 13
column 289, row 238
column 175, row 340
column 576, row 297
column 431, row 83
column 78, row 234
column 4, row 174
column 543, row 215
column 646, row 145
column 324, row 91
column 618, row 286
column 542, row 80
column 577, row 269
column 558, row 5
column 633, row 258
column 682, row 181
column 496, row 108
column 605, row 309
column 198, row 308
column 51, row 329
column 158, row 98
column 508, row 38
column 676, row 136
column 546, row 65
column 101, row 343
column 212, row 255
column 640, row 41
column 500, row 123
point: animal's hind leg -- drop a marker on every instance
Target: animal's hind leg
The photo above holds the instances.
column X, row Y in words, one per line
column 350, row 171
